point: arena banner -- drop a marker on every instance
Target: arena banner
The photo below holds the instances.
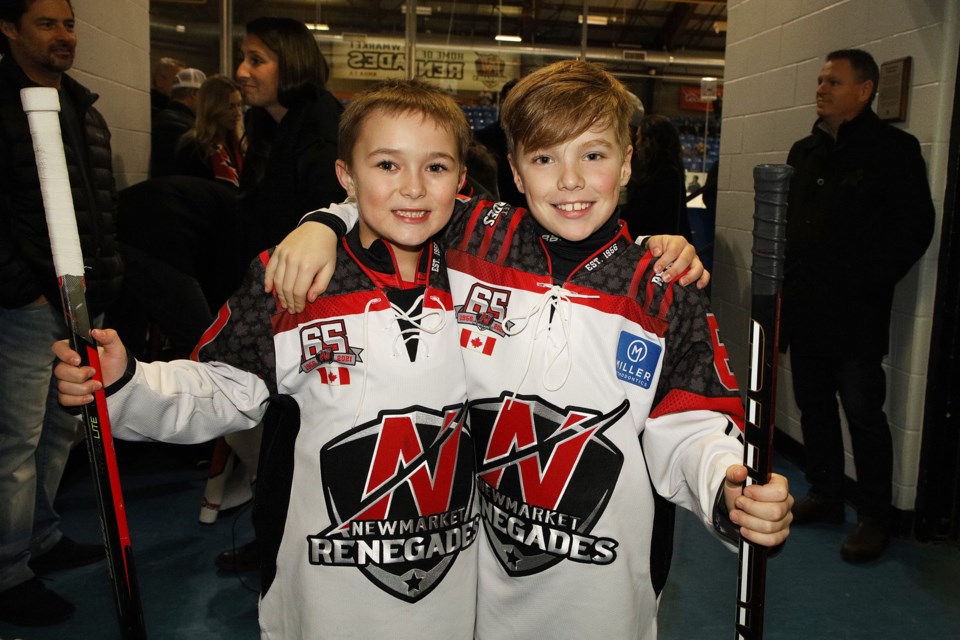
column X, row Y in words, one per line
column 379, row 58
column 690, row 98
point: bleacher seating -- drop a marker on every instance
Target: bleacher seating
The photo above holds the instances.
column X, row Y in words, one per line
column 479, row 116
column 692, row 142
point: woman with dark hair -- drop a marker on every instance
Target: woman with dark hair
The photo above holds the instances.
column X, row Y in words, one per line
column 289, row 167
column 656, row 194
column 213, row 147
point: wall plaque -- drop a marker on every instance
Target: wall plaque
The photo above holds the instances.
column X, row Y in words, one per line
column 893, row 90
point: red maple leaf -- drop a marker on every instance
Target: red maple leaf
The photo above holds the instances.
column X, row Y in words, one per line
column 332, row 377
column 477, row 343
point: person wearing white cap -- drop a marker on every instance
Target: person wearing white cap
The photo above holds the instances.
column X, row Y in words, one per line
column 174, row 120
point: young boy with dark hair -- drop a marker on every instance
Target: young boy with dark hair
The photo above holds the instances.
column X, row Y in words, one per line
column 600, row 396
column 376, row 517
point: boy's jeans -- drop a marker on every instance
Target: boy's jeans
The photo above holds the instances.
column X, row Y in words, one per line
column 35, row 438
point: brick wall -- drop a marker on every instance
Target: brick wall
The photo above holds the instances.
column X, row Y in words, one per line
column 775, row 49
column 113, row 59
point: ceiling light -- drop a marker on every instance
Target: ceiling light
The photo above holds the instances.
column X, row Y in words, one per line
column 719, row 26
column 180, row 28
column 599, row 21
column 500, row 37
column 318, row 27
column 421, row 11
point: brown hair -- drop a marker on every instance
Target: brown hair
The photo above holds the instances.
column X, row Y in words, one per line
column 395, row 97
column 12, row 11
column 562, row 100
column 302, row 69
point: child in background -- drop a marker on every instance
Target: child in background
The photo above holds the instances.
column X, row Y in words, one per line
column 379, row 523
column 600, row 396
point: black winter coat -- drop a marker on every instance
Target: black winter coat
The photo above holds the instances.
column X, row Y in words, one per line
column 859, row 216
column 657, row 204
column 168, row 127
column 26, row 262
column 292, row 174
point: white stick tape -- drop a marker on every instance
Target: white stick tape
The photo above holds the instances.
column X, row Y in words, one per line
column 42, row 104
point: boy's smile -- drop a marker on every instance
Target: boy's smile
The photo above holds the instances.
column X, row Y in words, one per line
column 572, row 188
column 405, row 173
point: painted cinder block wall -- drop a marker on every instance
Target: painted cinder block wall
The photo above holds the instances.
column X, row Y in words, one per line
column 775, row 49
column 113, row 60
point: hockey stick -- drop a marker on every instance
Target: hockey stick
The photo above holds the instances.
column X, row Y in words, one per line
column 771, row 183
column 42, row 104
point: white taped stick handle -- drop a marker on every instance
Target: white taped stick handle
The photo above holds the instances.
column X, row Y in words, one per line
column 42, row 106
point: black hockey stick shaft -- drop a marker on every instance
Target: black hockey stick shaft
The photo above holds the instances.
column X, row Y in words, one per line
column 771, row 184
column 42, row 105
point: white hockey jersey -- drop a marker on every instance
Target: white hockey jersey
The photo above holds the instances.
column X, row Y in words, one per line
column 379, row 539
column 593, row 401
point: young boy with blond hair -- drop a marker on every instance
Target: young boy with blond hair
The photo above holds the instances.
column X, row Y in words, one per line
column 377, row 521
column 600, row 395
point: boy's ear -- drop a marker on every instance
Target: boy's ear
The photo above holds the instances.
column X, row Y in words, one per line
column 463, row 178
column 517, row 180
column 626, row 169
column 346, row 180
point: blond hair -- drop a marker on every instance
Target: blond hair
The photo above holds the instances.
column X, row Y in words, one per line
column 562, row 100
column 213, row 99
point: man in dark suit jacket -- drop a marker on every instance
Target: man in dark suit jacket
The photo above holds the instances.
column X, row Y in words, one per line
column 857, row 182
column 174, row 120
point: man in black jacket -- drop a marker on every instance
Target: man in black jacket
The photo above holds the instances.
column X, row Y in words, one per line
column 174, row 120
column 38, row 43
column 857, row 182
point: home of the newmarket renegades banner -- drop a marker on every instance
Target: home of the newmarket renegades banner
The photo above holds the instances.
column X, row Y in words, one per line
column 386, row 58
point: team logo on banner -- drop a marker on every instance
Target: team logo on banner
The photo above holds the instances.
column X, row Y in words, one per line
column 324, row 345
column 398, row 491
column 490, row 69
column 544, row 477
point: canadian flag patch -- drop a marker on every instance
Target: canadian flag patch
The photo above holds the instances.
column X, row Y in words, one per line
column 334, row 375
column 476, row 341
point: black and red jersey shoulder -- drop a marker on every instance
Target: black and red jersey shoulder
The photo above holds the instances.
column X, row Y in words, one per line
column 503, row 235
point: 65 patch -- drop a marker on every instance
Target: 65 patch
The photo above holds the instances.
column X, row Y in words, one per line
column 637, row 359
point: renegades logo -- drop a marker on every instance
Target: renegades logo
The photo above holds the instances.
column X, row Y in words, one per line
column 402, row 517
column 544, row 477
column 325, row 342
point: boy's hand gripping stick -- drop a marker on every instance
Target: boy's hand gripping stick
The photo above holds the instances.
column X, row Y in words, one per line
column 771, row 184
column 42, row 105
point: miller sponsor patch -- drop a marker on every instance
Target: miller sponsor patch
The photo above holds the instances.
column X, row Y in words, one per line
column 637, row 359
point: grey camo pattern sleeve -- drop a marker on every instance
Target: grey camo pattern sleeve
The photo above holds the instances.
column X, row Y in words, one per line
column 245, row 339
